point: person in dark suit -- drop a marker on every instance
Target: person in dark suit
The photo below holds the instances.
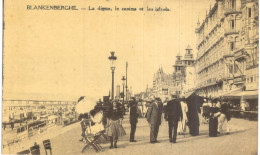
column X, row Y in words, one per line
column 133, row 118
column 154, row 114
column 173, row 114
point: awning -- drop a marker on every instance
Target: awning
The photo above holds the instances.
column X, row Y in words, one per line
column 249, row 94
column 244, row 94
column 233, row 94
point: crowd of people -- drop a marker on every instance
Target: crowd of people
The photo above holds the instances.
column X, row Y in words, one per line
column 180, row 113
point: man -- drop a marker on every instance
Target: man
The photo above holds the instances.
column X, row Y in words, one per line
column 173, row 114
column 133, row 118
column 154, row 115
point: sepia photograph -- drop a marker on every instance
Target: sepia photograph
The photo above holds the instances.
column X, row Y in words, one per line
column 130, row 77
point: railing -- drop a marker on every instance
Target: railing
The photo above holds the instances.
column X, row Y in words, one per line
column 24, row 103
column 28, row 133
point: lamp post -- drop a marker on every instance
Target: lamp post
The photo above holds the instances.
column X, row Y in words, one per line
column 112, row 59
column 123, row 80
column 126, row 81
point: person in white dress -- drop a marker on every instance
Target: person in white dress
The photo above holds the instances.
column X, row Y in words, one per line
column 182, row 124
column 144, row 108
column 97, row 119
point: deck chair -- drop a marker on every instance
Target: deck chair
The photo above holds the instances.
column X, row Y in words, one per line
column 93, row 133
column 24, row 152
column 47, row 146
column 35, row 150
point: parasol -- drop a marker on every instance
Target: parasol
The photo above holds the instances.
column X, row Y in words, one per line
column 85, row 104
column 188, row 94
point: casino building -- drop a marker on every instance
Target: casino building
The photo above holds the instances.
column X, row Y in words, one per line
column 184, row 73
column 162, row 84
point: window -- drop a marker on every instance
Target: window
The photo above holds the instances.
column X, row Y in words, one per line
column 235, row 68
column 233, row 4
column 231, row 69
column 232, row 24
column 249, row 12
column 232, row 46
column 251, row 79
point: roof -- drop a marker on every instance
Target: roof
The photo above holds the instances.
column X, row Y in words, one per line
column 179, row 54
column 188, row 48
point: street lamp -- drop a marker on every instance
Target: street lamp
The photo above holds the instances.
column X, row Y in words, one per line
column 112, row 59
column 123, row 80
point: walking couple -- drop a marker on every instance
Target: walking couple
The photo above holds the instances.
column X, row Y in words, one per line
column 173, row 114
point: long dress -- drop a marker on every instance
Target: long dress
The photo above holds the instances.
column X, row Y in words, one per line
column 115, row 129
column 97, row 119
column 144, row 109
column 213, row 122
column 194, row 102
column 182, row 124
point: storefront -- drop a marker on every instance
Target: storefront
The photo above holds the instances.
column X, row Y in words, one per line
column 244, row 104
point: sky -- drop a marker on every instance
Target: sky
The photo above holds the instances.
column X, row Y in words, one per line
column 63, row 55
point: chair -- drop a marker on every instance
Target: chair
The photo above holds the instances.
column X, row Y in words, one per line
column 35, row 150
column 92, row 140
column 47, row 146
column 24, row 152
column 92, row 134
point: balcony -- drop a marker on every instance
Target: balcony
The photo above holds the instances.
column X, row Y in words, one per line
column 232, row 11
column 239, row 80
column 240, row 55
column 227, row 55
column 231, row 31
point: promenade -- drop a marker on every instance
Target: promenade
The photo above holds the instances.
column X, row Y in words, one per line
column 242, row 140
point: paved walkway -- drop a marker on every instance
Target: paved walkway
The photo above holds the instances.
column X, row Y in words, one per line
column 242, row 140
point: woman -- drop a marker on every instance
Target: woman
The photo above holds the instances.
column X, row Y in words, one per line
column 182, row 124
column 144, row 108
column 213, row 119
column 115, row 128
column 193, row 102
column 225, row 116
column 96, row 116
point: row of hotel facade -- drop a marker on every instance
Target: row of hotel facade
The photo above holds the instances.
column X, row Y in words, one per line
column 226, row 64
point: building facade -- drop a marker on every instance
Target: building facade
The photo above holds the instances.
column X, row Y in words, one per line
column 222, row 62
column 162, row 84
column 184, row 73
column 227, row 44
